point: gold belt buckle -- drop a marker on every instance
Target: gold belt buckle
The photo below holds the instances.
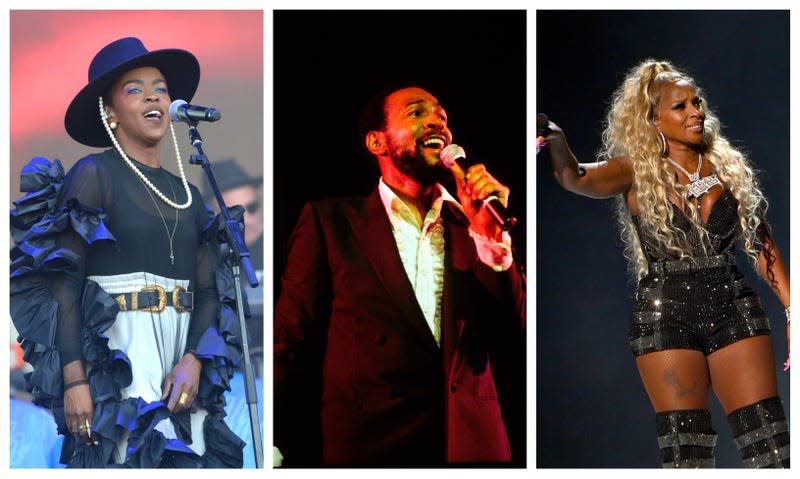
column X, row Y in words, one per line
column 162, row 299
column 176, row 299
column 121, row 302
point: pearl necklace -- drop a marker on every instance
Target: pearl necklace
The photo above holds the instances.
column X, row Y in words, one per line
column 698, row 186
column 144, row 179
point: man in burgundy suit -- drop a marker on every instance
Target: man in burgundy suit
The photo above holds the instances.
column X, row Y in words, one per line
column 391, row 306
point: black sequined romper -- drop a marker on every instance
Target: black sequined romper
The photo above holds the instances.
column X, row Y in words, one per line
column 705, row 304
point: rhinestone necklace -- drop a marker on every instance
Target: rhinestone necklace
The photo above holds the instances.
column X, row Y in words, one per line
column 698, row 186
column 692, row 176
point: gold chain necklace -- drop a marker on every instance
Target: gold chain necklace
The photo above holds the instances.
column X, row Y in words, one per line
column 171, row 236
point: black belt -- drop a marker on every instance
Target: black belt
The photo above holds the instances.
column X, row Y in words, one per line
column 692, row 264
column 154, row 299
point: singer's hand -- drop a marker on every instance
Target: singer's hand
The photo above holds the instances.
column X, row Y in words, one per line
column 78, row 404
column 599, row 179
column 549, row 131
column 474, row 186
column 181, row 384
column 542, row 123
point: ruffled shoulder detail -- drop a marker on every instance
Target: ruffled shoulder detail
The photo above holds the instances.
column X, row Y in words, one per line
column 36, row 223
column 37, row 220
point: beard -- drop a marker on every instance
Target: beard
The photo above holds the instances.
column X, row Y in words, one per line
column 415, row 167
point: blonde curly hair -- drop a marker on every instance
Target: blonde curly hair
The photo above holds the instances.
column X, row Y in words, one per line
column 630, row 132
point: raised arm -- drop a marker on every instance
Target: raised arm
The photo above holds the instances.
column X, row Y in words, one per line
column 596, row 180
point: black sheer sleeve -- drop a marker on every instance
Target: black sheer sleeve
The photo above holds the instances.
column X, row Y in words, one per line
column 86, row 183
column 204, row 314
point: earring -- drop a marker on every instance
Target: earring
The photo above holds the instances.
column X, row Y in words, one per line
column 663, row 140
column 111, row 124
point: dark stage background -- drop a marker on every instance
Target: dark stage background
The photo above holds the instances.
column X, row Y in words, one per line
column 591, row 408
column 326, row 67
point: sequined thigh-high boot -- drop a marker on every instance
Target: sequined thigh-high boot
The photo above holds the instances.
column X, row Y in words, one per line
column 761, row 433
column 686, row 438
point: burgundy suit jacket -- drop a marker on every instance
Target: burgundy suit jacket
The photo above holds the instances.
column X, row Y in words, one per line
column 358, row 376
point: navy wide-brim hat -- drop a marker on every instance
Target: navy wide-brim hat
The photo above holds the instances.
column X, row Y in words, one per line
column 179, row 67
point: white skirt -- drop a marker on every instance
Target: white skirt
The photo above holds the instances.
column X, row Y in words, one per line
column 154, row 343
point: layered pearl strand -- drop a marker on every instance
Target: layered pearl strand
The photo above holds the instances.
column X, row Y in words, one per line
column 141, row 175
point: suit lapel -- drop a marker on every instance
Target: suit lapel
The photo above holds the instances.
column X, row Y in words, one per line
column 373, row 232
column 459, row 259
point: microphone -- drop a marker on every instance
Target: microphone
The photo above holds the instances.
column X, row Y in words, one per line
column 179, row 110
column 452, row 154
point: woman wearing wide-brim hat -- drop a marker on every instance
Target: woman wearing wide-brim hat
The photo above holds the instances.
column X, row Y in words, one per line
column 128, row 333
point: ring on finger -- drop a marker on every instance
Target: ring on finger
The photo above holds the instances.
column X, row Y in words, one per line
column 183, row 398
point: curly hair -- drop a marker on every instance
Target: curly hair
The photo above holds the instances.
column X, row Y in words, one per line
column 630, row 132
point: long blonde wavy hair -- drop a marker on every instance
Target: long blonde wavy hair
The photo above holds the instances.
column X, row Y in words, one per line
column 630, row 132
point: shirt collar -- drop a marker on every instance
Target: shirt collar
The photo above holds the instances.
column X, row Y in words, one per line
column 397, row 210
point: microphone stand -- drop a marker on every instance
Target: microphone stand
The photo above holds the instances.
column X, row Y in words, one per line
column 241, row 257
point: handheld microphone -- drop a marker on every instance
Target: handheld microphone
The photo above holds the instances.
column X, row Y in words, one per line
column 179, row 110
column 452, row 154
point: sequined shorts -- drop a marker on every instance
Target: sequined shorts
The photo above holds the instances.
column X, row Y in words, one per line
column 703, row 305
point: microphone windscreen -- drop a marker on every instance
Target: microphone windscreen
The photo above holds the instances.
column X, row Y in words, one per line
column 174, row 110
column 450, row 154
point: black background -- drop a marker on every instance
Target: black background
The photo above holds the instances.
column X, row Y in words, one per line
column 591, row 408
column 327, row 65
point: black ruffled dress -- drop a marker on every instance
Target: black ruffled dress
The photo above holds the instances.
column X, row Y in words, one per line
column 100, row 222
